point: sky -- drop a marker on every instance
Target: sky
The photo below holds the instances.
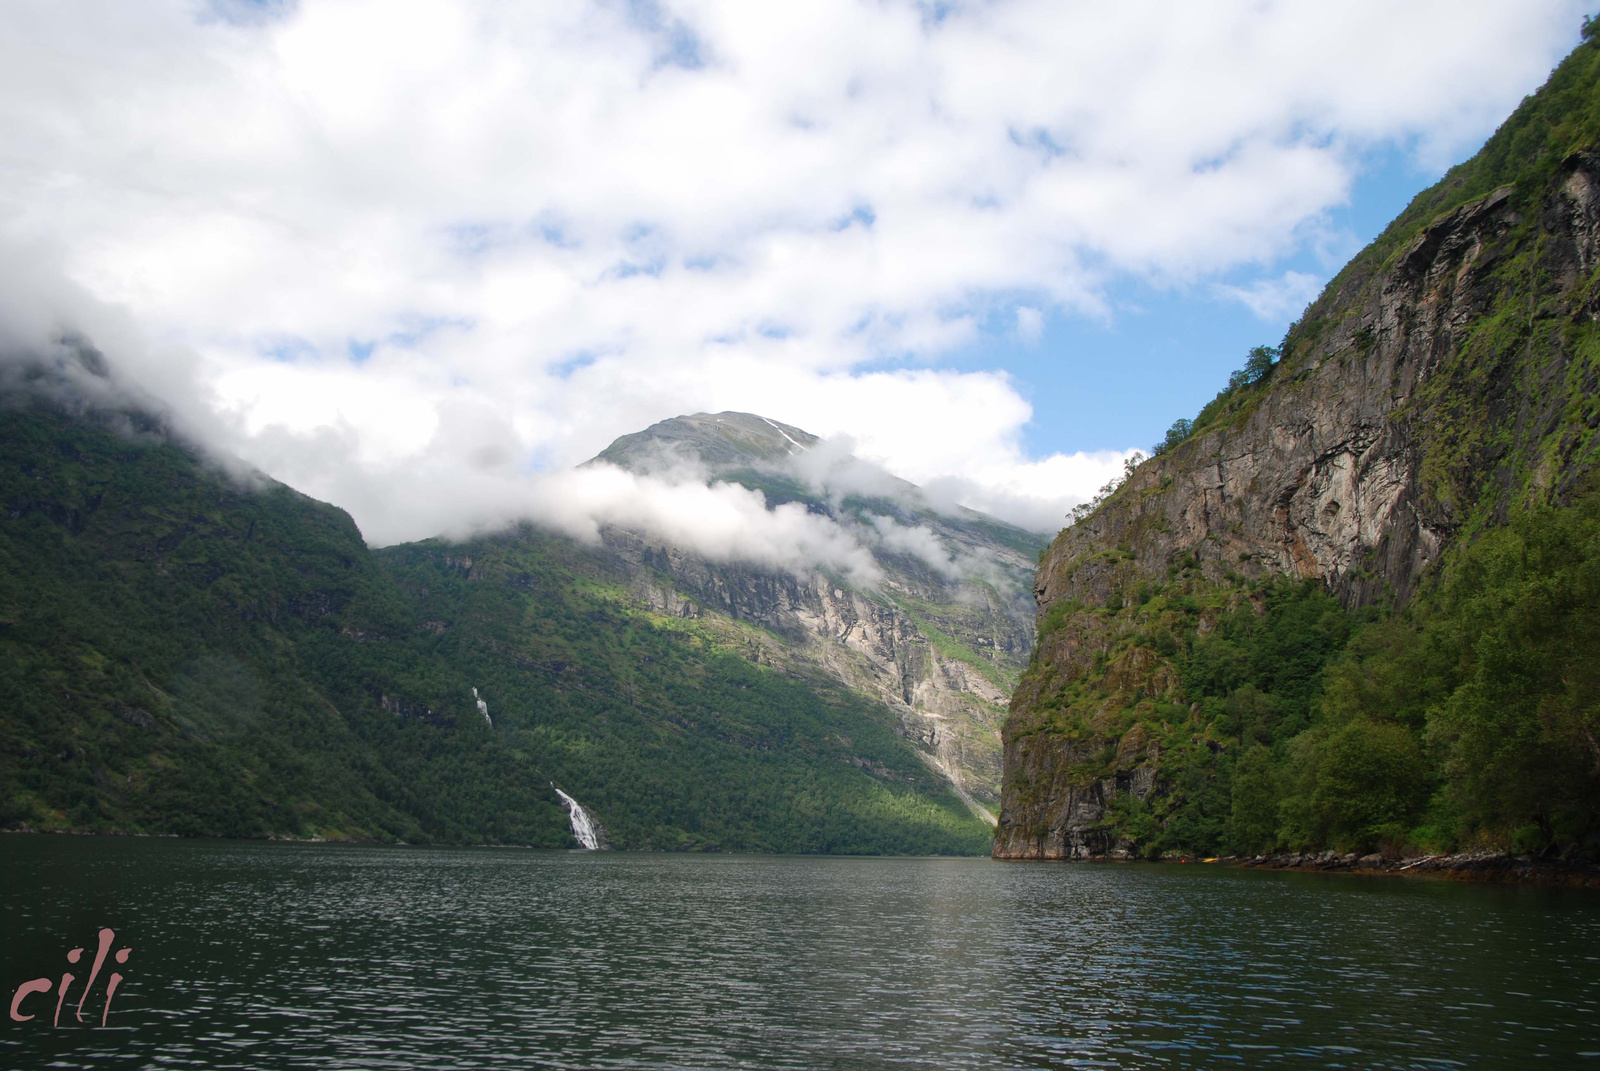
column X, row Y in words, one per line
column 420, row 258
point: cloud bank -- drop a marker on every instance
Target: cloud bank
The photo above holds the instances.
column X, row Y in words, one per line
column 58, row 344
column 409, row 256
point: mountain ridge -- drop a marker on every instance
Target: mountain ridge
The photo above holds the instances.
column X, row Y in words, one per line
column 939, row 639
column 715, row 440
column 183, row 652
column 1209, row 635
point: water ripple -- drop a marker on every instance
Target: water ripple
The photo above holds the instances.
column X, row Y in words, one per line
column 283, row 956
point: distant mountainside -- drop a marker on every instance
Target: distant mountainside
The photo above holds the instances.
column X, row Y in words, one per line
column 181, row 652
column 940, row 641
column 1350, row 606
column 720, row 441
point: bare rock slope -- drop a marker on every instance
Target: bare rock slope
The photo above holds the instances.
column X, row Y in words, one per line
column 941, row 639
column 1445, row 376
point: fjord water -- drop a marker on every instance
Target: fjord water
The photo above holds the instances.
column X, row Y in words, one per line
column 256, row 955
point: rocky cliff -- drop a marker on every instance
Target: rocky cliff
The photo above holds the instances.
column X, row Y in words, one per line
column 940, row 640
column 1445, row 378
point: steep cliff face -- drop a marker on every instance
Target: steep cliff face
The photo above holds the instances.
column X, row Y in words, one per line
column 1446, row 376
column 940, row 640
column 949, row 701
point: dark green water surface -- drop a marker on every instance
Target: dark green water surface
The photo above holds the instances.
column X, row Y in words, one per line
column 284, row 956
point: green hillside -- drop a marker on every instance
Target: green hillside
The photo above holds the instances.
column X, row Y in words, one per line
column 662, row 726
column 180, row 653
column 1383, row 705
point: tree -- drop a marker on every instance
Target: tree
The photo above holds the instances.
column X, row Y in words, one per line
column 1372, row 782
column 1256, row 797
column 1521, row 732
column 1176, row 434
column 1258, row 365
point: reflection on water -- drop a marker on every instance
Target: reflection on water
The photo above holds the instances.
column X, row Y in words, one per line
column 271, row 955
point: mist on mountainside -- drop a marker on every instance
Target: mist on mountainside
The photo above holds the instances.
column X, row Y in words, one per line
column 58, row 342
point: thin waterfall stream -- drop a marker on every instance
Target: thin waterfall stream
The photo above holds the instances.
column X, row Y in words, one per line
column 584, row 827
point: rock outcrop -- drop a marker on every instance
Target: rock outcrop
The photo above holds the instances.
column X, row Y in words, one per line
column 1442, row 378
column 940, row 648
column 950, row 706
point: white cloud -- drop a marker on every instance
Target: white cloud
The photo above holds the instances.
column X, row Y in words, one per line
column 464, row 238
column 918, row 542
column 1275, row 299
column 1036, row 495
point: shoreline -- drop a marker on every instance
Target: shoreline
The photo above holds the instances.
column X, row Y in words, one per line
column 1485, row 866
column 1481, row 865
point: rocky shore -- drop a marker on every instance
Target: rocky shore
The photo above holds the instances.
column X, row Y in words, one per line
column 1571, row 870
column 1481, row 865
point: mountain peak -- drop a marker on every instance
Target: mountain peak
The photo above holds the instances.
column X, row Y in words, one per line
column 715, row 440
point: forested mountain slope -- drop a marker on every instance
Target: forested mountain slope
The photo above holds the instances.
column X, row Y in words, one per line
column 678, row 731
column 183, row 651
column 183, row 654
column 1350, row 605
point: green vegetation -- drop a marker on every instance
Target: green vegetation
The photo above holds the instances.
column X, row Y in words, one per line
column 1495, row 679
column 1270, row 716
column 659, row 725
column 1472, row 718
column 1527, row 153
column 183, row 654
column 1233, row 401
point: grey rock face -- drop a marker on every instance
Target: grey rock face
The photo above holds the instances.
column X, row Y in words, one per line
column 941, row 650
column 1321, row 481
column 1364, row 457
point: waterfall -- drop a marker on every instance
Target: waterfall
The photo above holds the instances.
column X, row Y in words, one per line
column 584, row 826
column 483, row 708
